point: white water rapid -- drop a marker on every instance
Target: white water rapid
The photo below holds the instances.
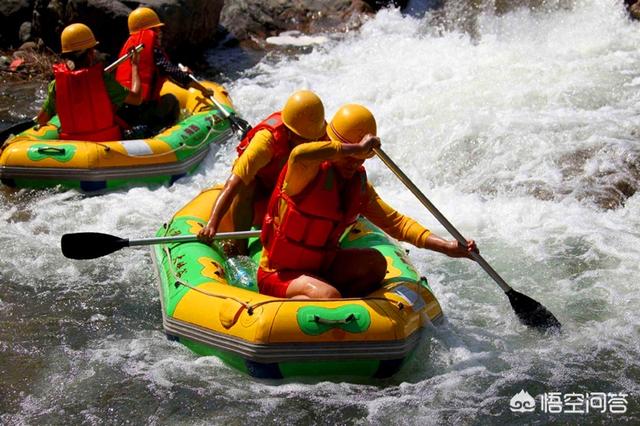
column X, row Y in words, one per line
column 524, row 132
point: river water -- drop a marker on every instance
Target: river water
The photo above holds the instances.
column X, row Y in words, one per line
column 523, row 131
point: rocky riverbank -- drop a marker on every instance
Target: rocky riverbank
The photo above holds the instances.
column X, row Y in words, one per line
column 30, row 37
column 190, row 23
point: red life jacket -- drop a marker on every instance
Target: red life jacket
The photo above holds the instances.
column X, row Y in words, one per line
column 150, row 79
column 307, row 235
column 83, row 104
column 268, row 175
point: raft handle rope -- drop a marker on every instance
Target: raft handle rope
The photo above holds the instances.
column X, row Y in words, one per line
column 179, row 281
column 107, row 148
column 251, row 307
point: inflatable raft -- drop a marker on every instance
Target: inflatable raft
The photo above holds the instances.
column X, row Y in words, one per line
column 36, row 158
column 206, row 308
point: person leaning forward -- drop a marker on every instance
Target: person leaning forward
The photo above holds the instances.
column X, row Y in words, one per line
column 156, row 112
column 81, row 86
column 261, row 156
column 320, row 193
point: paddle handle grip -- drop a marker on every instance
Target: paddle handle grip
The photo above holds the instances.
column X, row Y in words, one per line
column 123, row 58
column 192, row 238
column 440, row 217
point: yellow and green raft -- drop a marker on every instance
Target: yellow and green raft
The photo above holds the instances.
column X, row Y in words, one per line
column 36, row 158
column 267, row 337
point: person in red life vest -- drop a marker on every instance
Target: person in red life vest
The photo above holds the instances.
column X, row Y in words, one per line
column 261, row 156
column 319, row 194
column 156, row 112
column 82, row 94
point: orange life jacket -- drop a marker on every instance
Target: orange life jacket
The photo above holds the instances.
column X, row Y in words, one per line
column 150, row 79
column 83, row 104
column 306, row 236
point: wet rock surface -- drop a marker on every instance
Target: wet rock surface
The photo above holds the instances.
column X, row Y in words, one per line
column 189, row 23
column 256, row 19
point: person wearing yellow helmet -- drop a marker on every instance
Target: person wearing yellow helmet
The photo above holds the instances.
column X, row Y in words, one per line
column 156, row 111
column 320, row 193
column 82, row 86
column 261, row 155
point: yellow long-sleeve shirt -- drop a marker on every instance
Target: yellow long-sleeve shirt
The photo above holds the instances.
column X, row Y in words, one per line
column 304, row 165
column 257, row 155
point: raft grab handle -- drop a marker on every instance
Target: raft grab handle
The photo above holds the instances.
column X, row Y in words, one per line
column 318, row 319
column 51, row 150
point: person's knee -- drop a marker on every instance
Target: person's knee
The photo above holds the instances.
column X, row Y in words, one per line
column 325, row 292
column 168, row 110
column 312, row 288
column 376, row 265
column 379, row 266
column 170, row 103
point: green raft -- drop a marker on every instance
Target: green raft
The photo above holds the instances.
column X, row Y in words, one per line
column 208, row 309
column 36, row 158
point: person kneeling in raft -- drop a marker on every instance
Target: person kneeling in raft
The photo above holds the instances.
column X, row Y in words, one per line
column 262, row 154
column 83, row 95
column 320, row 192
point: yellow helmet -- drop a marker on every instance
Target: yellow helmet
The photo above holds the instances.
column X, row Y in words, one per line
column 303, row 114
column 143, row 18
column 77, row 37
column 351, row 123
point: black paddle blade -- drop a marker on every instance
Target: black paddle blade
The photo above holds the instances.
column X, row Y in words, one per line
column 241, row 126
column 90, row 245
column 15, row 129
column 532, row 313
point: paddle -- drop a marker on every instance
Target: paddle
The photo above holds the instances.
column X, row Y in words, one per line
column 90, row 245
column 123, row 58
column 240, row 126
column 26, row 124
column 16, row 128
column 529, row 311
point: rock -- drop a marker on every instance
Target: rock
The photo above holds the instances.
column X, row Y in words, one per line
column 12, row 14
column 29, row 45
column 246, row 19
column 251, row 19
column 189, row 23
column 24, row 34
column 634, row 10
column 379, row 4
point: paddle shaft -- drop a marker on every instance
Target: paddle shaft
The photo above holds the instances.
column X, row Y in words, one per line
column 191, row 238
column 123, row 58
column 224, row 111
column 441, row 218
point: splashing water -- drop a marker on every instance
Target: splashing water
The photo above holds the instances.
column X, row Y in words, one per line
column 522, row 132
